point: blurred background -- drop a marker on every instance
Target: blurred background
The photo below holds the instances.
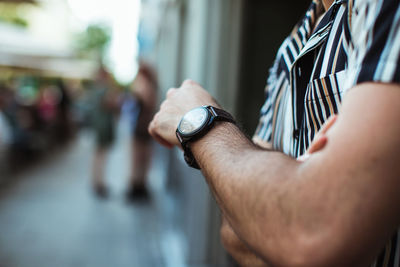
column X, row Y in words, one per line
column 79, row 79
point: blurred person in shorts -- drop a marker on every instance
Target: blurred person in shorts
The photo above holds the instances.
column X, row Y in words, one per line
column 145, row 91
column 105, row 107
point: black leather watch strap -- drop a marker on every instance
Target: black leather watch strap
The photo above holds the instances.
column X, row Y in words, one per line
column 216, row 114
column 221, row 115
column 189, row 158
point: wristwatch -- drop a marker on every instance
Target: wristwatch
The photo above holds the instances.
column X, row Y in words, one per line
column 195, row 124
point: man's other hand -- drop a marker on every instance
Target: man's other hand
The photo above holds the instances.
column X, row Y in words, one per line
column 178, row 101
column 320, row 139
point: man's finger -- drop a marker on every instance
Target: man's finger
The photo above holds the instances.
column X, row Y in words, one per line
column 162, row 141
column 320, row 140
column 189, row 83
column 318, row 144
column 324, row 129
column 171, row 91
column 328, row 124
column 153, row 132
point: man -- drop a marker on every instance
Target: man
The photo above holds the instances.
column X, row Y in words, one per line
column 340, row 206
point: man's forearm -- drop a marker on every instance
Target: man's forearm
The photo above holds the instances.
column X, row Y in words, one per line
column 248, row 183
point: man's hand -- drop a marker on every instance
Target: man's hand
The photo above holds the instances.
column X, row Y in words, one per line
column 178, row 101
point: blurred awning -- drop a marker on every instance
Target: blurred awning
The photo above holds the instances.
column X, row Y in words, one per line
column 20, row 50
column 19, row 1
column 50, row 67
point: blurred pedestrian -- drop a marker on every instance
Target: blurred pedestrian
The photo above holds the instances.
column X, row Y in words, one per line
column 63, row 126
column 145, row 91
column 5, row 128
column 105, row 107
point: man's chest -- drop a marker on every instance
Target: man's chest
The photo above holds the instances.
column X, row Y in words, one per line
column 312, row 86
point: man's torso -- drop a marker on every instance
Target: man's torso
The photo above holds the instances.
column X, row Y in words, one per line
column 306, row 86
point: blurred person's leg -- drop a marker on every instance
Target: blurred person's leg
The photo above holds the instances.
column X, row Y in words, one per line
column 141, row 156
column 99, row 162
column 105, row 135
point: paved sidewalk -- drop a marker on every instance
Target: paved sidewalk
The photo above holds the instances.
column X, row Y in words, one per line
column 49, row 216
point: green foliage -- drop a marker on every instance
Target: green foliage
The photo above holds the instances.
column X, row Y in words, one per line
column 93, row 41
column 10, row 13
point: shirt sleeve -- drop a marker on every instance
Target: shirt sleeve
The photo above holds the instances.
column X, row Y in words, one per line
column 263, row 133
column 374, row 47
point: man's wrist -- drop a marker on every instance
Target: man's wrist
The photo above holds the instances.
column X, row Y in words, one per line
column 197, row 123
column 217, row 138
column 220, row 128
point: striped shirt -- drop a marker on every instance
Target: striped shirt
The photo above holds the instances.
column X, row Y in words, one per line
column 356, row 41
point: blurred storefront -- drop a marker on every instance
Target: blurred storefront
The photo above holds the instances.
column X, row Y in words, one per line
column 228, row 47
column 21, row 51
column 40, row 75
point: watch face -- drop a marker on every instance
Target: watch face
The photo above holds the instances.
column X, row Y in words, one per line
column 193, row 121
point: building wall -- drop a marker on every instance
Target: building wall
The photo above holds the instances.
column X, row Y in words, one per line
column 265, row 25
